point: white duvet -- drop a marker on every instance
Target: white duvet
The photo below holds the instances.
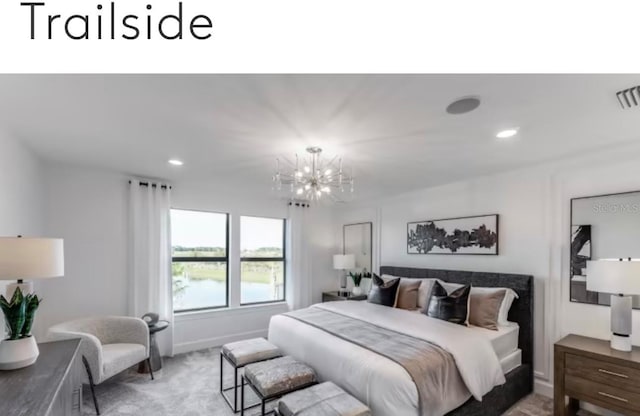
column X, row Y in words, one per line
column 377, row 381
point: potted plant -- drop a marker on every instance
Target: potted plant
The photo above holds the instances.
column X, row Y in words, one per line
column 357, row 278
column 18, row 349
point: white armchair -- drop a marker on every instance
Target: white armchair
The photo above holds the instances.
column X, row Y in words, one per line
column 110, row 345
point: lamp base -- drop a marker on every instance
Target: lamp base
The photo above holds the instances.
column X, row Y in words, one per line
column 18, row 353
column 621, row 343
column 621, row 322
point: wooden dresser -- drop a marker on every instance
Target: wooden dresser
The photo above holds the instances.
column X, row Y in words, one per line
column 588, row 369
column 50, row 387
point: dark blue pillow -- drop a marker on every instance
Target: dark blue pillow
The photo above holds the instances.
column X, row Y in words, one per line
column 383, row 293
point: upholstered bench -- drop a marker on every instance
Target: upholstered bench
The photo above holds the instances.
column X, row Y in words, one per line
column 239, row 354
column 324, row 399
column 274, row 378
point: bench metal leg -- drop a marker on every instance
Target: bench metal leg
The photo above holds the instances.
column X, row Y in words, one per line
column 242, row 397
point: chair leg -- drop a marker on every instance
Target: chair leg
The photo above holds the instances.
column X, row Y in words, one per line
column 150, row 369
column 91, row 383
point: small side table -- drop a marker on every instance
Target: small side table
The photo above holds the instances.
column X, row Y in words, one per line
column 154, row 352
column 335, row 295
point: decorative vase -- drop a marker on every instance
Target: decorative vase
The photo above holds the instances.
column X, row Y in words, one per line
column 357, row 291
column 18, row 353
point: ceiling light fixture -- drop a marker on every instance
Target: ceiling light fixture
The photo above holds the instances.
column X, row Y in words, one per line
column 463, row 105
column 312, row 178
column 506, row 134
column 175, row 162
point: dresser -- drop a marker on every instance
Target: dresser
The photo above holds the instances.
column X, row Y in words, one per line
column 587, row 369
column 50, row 387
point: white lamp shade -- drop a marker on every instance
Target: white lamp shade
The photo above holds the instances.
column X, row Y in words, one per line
column 344, row 261
column 31, row 258
column 617, row 277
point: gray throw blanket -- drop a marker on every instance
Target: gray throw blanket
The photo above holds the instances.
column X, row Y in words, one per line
column 432, row 369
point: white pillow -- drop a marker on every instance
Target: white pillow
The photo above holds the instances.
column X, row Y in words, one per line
column 423, row 292
column 505, row 306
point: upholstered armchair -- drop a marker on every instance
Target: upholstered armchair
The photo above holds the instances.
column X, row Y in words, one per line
column 110, row 345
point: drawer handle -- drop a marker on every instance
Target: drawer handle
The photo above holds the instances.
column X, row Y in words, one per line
column 611, row 373
column 611, row 396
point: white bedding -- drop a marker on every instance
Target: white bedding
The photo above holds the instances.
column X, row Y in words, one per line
column 504, row 341
column 381, row 383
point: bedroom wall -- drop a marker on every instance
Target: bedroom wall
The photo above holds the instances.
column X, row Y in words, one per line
column 89, row 209
column 533, row 204
column 20, row 194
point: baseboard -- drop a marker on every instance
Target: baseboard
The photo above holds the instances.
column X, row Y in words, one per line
column 543, row 388
column 216, row 341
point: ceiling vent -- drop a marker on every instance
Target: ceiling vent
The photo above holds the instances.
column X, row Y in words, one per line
column 629, row 98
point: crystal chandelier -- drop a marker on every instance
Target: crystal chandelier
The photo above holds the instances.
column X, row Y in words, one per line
column 311, row 178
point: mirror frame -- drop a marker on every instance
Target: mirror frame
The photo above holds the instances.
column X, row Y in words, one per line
column 344, row 235
column 571, row 225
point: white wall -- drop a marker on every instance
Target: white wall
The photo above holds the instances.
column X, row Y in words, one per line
column 533, row 205
column 89, row 209
column 20, row 194
column 20, row 189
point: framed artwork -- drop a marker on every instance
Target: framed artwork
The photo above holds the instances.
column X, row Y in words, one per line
column 465, row 235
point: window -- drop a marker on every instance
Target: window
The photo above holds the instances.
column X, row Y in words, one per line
column 200, row 259
column 262, row 260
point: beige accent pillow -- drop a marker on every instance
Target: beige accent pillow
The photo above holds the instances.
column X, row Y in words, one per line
column 484, row 309
column 423, row 293
column 407, row 297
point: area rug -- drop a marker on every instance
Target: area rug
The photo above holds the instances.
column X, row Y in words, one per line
column 188, row 385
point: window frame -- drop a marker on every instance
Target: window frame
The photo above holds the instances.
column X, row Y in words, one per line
column 282, row 259
column 207, row 260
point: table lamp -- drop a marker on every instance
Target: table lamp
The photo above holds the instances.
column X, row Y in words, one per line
column 344, row 262
column 621, row 279
column 21, row 259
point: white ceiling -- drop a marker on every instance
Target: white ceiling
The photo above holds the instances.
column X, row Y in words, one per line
column 392, row 129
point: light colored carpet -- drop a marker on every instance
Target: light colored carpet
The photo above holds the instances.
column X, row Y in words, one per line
column 188, row 386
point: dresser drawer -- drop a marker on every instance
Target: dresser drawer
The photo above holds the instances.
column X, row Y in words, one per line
column 603, row 395
column 621, row 377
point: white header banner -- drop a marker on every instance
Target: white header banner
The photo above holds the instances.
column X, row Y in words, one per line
column 298, row 36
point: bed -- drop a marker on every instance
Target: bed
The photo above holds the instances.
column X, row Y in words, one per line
column 386, row 386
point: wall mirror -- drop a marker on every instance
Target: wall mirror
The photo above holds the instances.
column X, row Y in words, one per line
column 602, row 227
column 356, row 240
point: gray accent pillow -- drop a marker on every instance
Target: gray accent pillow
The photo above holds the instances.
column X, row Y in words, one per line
column 383, row 293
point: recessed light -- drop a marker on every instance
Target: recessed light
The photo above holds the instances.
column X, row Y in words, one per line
column 506, row 134
column 176, row 162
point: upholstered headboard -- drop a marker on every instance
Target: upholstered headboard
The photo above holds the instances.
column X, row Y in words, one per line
column 521, row 310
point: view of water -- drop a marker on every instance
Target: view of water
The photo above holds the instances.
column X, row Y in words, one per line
column 207, row 293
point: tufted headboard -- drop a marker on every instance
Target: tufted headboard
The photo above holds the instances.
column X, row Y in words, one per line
column 521, row 310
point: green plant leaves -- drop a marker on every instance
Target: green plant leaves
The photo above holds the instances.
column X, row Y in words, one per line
column 19, row 313
column 32, row 304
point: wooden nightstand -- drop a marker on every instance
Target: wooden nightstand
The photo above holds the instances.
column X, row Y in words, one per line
column 588, row 369
column 332, row 296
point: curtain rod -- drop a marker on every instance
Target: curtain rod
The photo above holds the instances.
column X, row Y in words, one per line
column 153, row 185
column 300, row 204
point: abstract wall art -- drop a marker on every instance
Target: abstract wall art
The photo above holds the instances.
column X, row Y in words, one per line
column 466, row 235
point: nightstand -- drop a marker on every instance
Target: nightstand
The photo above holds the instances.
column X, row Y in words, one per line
column 332, row 296
column 588, row 369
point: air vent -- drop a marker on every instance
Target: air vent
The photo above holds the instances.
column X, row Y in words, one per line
column 629, row 98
